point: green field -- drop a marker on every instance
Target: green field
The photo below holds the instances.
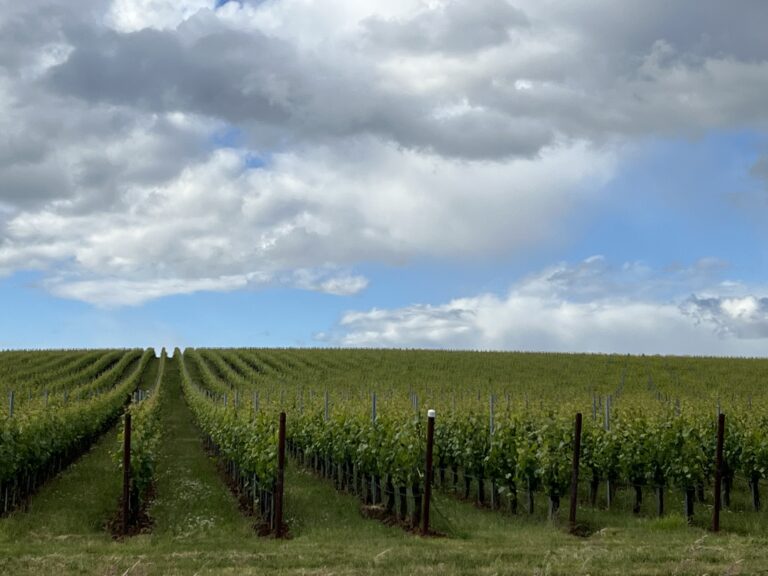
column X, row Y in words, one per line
column 209, row 422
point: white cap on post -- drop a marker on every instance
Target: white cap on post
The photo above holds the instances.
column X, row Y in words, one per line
column 430, row 413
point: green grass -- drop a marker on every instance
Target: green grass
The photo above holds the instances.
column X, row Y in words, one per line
column 192, row 502
column 199, row 530
column 74, row 506
column 78, row 503
column 330, row 537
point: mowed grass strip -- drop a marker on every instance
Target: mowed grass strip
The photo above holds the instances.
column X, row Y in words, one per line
column 75, row 505
column 191, row 499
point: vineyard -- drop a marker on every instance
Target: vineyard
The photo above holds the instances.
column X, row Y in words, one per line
column 62, row 411
column 356, row 424
column 504, row 430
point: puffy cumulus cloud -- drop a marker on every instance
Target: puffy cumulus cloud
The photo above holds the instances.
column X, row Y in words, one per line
column 109, row 151
column 448, row 27
column 514, row 79
column 302, row 222
column 349, row 131
column 543, row 312
column 737, row 316
column 133, row 15
column 530, row 66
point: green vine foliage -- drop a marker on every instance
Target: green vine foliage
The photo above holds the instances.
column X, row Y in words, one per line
column 146, row 435
column 32, row 439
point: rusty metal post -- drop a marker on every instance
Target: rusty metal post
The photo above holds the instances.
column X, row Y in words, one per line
column 575, row 473
column 718, row 472
column 429, row 471
column 126, row 472
column 279, row 484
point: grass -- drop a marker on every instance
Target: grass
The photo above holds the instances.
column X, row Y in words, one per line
column 72, row 507
column 192, row 503
column 199, row 530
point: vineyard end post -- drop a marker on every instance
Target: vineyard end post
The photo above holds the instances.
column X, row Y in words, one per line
column 429, row 471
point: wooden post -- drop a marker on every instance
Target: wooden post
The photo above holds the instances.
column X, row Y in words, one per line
column 10, row 404
column 718, row 471
column 575, row 473
column 279, row 484
column 126, row 472
column 428, row 471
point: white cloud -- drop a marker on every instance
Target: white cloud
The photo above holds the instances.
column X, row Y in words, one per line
column 390, row 130
column 743, row 316
column 133, row 15
column 327, row 281
column 540, row 313
column 740, row 307
column 110, row 293
column 311, row 213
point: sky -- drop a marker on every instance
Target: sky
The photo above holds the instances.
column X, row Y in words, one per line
column 548, row 175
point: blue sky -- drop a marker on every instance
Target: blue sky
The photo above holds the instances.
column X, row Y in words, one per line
column 673, row 203
column 451, row 175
